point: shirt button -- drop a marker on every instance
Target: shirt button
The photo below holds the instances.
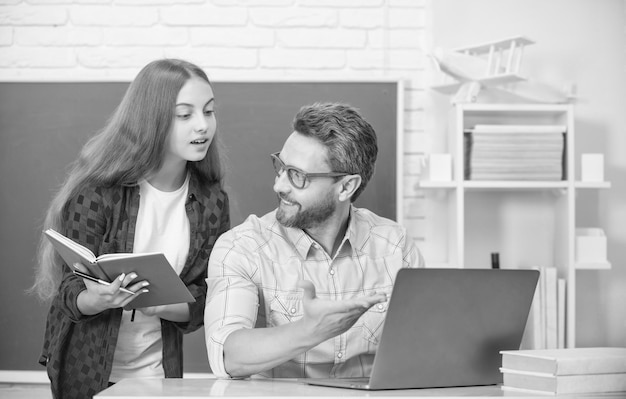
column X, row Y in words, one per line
column 332, row 272
column 339, row 355
column 381, row 306
column 293, row 310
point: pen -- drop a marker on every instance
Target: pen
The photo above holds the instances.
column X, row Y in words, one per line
column 97, row 280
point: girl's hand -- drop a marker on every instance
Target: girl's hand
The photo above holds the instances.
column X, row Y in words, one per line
column 98, row 297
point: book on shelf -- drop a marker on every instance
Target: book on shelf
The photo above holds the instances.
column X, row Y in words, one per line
column 165, row 287
column 514, row 176
column 517, row 155
column 501, row 154
column 520, row 128
column 568, row 361
column 527, row 139
column 560, row 312
column 550, row 286
column 564, row 384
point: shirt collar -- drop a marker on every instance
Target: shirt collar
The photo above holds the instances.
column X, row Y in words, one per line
column 193, row 191
column 302, row 242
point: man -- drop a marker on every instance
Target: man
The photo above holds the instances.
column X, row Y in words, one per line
column 301, row 291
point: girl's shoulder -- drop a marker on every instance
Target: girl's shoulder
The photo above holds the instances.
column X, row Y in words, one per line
column 106, row 195
column 206, row 191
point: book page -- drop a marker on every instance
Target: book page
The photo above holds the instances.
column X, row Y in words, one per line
column 122, row 255
column 76, row 247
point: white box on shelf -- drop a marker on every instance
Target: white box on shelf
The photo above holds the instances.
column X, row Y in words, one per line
column 590, row 245
column 440, row 167
column 592, row 167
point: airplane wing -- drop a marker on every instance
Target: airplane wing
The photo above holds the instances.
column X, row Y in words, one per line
column 465, row 68
column 494, row 66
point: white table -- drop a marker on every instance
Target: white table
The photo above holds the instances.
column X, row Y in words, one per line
column 184, row 388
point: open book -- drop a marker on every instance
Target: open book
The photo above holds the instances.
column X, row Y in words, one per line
column 165, row 285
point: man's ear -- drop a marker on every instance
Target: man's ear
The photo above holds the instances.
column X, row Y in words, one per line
column 348, row 187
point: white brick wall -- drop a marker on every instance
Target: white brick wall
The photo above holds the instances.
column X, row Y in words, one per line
column 257, row 39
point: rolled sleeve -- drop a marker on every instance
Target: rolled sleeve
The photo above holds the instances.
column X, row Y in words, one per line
column 232, row 302
column 215, row 349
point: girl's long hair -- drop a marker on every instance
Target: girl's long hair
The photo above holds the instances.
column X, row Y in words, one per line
column 131, row 146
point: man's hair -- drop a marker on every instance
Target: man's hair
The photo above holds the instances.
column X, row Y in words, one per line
column 349, row 139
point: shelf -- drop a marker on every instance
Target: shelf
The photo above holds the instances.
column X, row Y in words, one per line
column 594, row 185
column 451, row 88
column 441, row 265
column 476, row 217
column 600, row 265
column 436, row 184
column 497, row 107
column 496, row 185
column 512, row 185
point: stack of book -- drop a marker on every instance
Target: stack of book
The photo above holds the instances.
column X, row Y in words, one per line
column 565, row 371
column 515, row 152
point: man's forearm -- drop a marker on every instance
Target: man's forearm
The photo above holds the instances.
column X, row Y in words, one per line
column 251, row 351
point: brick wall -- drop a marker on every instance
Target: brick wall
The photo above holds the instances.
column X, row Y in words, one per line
column 231, row 39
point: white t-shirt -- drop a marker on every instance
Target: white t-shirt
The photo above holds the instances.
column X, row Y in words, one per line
column 162, row 226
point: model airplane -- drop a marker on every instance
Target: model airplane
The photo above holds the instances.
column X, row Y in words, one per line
column 494, row 67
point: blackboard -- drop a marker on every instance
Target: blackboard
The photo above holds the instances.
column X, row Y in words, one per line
column 44, row 125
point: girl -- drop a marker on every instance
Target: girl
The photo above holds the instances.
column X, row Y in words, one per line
column 150, row 181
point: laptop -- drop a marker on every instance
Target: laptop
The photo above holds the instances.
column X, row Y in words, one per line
column 446, row 327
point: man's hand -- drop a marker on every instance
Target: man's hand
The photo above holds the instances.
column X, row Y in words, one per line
column 326, row 319
column 250, row 351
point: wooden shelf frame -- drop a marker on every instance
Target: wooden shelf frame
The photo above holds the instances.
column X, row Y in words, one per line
column 465, row 115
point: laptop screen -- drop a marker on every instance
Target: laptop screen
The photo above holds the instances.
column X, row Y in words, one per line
column 446, row 327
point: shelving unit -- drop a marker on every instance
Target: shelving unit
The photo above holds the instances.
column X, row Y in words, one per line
column 482, row 215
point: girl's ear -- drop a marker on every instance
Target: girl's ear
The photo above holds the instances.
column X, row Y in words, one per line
column 348, row 186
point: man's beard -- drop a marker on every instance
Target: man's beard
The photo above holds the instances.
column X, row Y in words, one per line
column 308, row 218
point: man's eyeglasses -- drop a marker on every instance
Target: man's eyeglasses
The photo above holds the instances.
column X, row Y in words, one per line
column 298, row 178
